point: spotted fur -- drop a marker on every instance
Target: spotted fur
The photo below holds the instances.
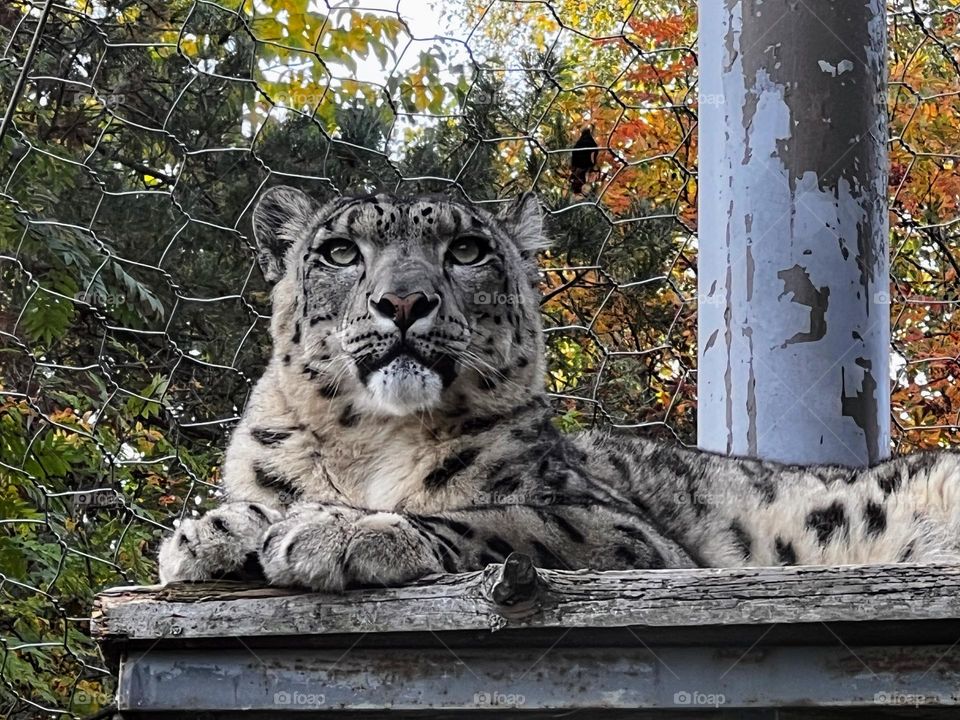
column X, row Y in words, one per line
column 401, row 428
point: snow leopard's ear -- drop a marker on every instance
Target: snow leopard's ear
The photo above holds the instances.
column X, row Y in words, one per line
column 523, row 219
column 280, row 214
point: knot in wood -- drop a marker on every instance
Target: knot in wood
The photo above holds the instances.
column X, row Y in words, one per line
column 516, row 587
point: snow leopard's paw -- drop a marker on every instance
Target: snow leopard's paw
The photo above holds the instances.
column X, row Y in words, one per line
column 221, row 544
column 330, row 547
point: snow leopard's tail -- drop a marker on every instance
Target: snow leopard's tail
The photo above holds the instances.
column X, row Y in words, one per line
column 733, row 511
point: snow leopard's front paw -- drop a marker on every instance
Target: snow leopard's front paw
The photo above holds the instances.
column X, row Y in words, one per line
column 328, row 547
column 222, row 543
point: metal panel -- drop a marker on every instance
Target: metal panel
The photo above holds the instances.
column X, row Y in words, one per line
column 287, row 681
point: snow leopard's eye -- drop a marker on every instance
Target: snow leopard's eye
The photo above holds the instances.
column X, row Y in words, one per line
column 339, row 252
column 468, row 250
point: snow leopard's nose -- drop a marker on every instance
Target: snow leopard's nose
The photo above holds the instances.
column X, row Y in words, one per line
column 406, row 310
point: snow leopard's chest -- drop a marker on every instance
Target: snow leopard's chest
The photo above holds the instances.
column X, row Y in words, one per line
column 371, row 466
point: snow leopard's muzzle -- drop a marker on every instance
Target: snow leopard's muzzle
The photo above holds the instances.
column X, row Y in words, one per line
column 406, row 349
column 404, row 312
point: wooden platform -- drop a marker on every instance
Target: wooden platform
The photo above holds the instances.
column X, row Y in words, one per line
column 511, row 641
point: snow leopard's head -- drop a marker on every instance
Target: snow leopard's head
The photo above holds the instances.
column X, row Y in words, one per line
column 405, row 305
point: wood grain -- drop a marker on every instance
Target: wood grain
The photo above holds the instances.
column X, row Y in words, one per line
column 563, row 599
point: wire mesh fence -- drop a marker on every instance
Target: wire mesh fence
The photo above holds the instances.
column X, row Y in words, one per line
column 133, row 318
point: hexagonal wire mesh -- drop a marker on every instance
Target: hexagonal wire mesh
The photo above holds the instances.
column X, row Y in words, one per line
column 133, row 319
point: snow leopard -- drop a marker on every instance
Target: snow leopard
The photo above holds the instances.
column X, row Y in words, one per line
column 402, row 428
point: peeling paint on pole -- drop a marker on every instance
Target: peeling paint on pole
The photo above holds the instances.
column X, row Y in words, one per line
column 793, row 313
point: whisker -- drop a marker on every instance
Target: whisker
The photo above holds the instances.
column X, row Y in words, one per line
column 479, row 359
column 503, row 378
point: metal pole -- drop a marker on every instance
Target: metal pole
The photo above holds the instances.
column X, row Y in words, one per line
column 794, row 323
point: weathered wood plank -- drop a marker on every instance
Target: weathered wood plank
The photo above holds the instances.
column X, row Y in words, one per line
column 653, row 598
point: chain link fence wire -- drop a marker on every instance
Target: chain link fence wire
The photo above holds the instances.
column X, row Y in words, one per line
column 133, row 318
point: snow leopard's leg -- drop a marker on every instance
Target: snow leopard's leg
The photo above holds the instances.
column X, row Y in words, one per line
column 221, row 544
column 327, row 547
column 736, row 511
